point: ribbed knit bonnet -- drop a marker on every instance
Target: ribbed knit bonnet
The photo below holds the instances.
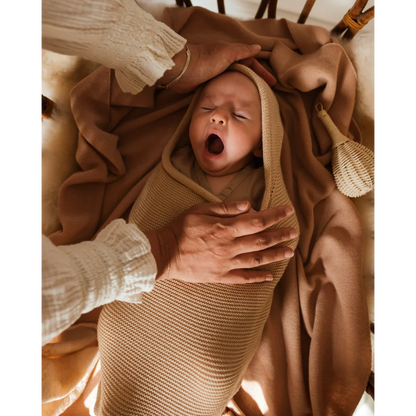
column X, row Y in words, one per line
column 184, row 350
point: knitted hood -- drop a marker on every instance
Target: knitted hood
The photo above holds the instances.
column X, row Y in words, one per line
column 272, row 137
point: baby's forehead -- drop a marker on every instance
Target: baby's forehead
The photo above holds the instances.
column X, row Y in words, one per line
column 233, row 84
column 229, row 76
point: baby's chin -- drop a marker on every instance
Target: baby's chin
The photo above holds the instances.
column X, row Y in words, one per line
column 227, row 171
column 220, row 165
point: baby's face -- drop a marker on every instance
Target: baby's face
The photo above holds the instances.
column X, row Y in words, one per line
column 225, row 129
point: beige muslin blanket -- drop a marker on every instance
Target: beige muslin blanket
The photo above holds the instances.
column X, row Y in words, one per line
column 314, row 355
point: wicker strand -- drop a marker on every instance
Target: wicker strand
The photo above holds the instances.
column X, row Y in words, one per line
column 350, row 22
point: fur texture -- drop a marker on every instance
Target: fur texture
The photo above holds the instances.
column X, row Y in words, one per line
column 59, row 132
column 361, row 52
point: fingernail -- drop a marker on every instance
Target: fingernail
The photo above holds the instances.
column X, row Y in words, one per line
column 288, row 254
column 256, row 46
column 269, row 278
column 242, row 205
column 288, row 210
column 293, row 234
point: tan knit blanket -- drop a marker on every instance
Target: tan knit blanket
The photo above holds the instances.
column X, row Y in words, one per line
column 314, row 356
column 189, row 344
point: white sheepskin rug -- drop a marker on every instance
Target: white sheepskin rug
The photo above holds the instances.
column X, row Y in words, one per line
column 361, row 52
column 59, row 132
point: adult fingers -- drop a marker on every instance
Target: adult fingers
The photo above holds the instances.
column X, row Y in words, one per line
column 245, row 54
column 246, row 276
column 222, row 209
column 255, row 222
column 260, row 70
column 243, row 51
column 263, row 240
column 260, row 258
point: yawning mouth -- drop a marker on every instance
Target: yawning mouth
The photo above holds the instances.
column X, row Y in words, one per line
column 214, row 145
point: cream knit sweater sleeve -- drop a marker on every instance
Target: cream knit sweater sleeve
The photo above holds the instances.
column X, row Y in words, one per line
column 114, row 33
column 117, row 265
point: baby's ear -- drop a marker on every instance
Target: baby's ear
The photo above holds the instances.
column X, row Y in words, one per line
column 259, row 151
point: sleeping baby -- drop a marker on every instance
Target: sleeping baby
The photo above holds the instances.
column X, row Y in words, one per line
column 225, row 137
column 185, row 348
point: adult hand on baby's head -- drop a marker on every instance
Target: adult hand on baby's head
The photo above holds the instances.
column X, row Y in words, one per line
column 211, row 59
column 219, row 242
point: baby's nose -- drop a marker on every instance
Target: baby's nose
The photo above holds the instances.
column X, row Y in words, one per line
column 218, row 119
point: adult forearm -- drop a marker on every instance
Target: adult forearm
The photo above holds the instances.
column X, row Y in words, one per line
column 77, row 278
column 115, row 33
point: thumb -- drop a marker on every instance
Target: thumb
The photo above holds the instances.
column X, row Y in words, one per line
column 223, row 209
column 243, row 51
column 245, row 55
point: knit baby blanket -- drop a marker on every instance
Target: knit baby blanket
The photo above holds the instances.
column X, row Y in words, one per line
column 188, row 344
column 314, row 354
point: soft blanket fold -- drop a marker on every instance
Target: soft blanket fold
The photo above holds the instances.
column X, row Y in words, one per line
column 314, row 356
column 67, row 363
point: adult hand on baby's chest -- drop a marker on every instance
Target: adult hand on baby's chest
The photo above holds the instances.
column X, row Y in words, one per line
column 219, row 243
